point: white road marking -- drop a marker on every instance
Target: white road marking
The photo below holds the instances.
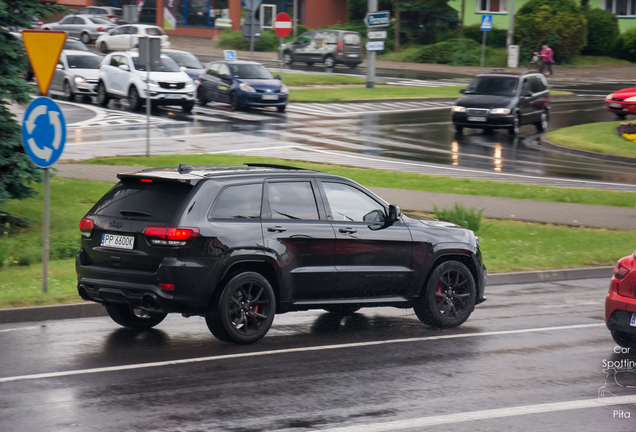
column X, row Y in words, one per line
column 18, row 329
column 285, row 351
column 486, row 414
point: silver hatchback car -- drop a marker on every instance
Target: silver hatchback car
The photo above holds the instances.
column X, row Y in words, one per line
column 75, row 74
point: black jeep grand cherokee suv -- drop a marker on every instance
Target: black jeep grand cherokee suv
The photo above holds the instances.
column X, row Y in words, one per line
column 240, row 244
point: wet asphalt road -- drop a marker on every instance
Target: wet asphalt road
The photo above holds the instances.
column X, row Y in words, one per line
column 399, row 371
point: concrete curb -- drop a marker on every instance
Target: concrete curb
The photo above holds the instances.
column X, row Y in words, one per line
column 89, row 309
column 558, row 98
column 586, row 154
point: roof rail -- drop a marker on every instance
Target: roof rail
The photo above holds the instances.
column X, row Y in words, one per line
column 264, row 165
column 496, row 70
column 528, row 71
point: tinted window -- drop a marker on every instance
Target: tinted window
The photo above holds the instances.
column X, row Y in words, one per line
column 167, row 65
column 74, row 45
column 537, row 84
column 527, row 86
column 83, row 62
column 114, row 61
column 132, row 30
column 154, row 31
column 349, row 204
column 99, row 21
column 238, row 202
column 292, row 200
column 67, row 20
column 250, row 71
column 500, row 86
column 186, row 60
column 157, row 202
column 352, row 39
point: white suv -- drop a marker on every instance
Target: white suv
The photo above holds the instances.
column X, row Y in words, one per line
column 123, row 76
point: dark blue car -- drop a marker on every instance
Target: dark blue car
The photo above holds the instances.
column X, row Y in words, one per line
column 241, row 84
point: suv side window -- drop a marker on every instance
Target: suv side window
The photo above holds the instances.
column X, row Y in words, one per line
column 537, row 84
column 292, row 200
column 349, row 204
column 238, row 202
column 527, row 86
column 114, row 61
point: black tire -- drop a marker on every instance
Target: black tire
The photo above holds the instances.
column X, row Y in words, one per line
column 310, row 63
column 353, row 65
column 342, row 309
column 134, row 101
column 542, row 124
column 329, row 62
column 625, row 340
column 516, row 126
column 68, row 93
column 201, row 96
column 459, row 129
column 187, row 108
column 103, row 47
column 102, row 96
column 281, row 108
column 246, row 300
column 288, row 59
column 621, row 116
column 234, row 102
column 86, row 38
column 449, row 296
column 126, row 316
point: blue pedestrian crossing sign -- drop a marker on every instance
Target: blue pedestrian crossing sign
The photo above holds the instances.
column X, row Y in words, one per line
column 43, row 132
column 486, row 22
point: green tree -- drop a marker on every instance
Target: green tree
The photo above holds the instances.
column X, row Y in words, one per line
column 422, row 20
column 602, row 31
column 16, row 170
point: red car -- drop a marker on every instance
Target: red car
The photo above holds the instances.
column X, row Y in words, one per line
column 622, row 102
column 620, row 303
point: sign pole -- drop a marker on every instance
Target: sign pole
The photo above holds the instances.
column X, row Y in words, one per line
column 280, row 54
column 251, row 15
column 483, row 49
column 373, row 7
column 46, row 225
column 148, row 99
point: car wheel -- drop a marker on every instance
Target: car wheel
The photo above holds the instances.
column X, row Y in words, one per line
column 102, row 96
column 329, row 62
column 244, row 311
column 625, row 340
column 68, row 93
column 310, row 63
column 86, row 38
column 342, row 309
column 459, row 129
column 543, row 123
column 103, row 47
column 516, row 125
column 127, row 316
column 353, row 65
column 621, row 116
column 133, row 99
column 187, row 108
column 287, row 58
column 234, row 102
column 281, row 108
column 201, row 97
column 449, row 296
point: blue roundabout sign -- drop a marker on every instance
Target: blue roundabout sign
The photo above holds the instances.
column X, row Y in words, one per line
column 43, row 132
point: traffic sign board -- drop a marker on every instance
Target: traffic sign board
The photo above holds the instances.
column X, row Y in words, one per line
column 230, row 55
column 252, row 4
column 486, row 22
column 283, row 24
column 44, row 48
column 43, row 132
column 375, row 46
column 378, row 19
column 251, row 28
column 380, row 34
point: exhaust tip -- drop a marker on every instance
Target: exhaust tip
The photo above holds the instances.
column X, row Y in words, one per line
column 83, row 294
column 149, row 302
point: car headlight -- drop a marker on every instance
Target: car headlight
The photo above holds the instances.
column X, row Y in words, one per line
column 631, row 99
column 500, row 111
column 151, row 83
column 189, row 83
column 246, row 88
column 284, row 89
column 458, row 109
column 79, row 79
column 609, row 96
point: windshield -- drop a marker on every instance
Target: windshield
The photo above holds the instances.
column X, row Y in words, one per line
column 83, row 62
column 167, row 65
column 74, row 45
column 499, row 86
column 186, row 60
column 99, row 21
column 250, row 71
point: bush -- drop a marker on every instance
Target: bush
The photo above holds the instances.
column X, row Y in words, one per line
column 456, row 52
column 268, row 41
column 602, row 31
column 626, row 45
column 496, row 37
column 459, row 215
column 232, row 40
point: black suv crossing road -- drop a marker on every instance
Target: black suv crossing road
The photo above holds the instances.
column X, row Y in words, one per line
column 238, row 244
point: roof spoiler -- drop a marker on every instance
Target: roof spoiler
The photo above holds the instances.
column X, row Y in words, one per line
column 264, row 165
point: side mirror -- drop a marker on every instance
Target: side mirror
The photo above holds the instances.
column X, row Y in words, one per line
column 462, row 91
column 59, row 66
column 124, row 68
column 394, row 213
column 183, row 68
column 526, row 93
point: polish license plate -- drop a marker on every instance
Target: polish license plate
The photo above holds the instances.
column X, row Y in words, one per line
column 615, row 105
column 478, row 119
column 173, row 96
column 633, row 320
column 352, row 55
column 95, row 87
column 270, row 97
column 118, row 241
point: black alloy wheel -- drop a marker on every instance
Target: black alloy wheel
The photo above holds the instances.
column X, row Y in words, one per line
column 353, row 65
column 542, row 125
column 187, row 107
column 625, row 340
column 85, row 38
column 281, row 108
column 68, row 93
column 342, row 309
column 134, row 101
column 244, row 311
column 329, row 62
column 201, row 96
column 127, row 316
column 234, row 102
column 287, row 58
column 459, row 129
column 449, row 296
column 516, row 125
column 102, row 97
column 621, row 116
column 103, row 47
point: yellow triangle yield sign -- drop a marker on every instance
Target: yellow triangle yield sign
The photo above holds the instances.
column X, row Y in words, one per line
column 44, row 48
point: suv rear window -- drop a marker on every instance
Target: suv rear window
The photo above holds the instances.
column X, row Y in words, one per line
column 157, row 202
column 493, row 85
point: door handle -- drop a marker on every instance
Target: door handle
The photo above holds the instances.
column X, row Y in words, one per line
column 276, row 229
column 348, row 230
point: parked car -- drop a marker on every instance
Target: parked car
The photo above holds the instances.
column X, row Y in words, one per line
column 330, row 47
column 622, row 102
column 239, row 244
column 122, row 75
column 86, row 28
column 620, row 303
column 75, row 74
column 112, row 14
column 500, row 100
column 242, row 84
column 127, row 36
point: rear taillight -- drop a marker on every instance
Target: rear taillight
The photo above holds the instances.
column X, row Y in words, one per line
column 100, row 29
column 170, row 236
column 340, row 47
column 110, row 16
column 620, row 271
column 166, row 286
column 86, row 227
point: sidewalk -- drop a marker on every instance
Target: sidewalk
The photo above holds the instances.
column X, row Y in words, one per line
column 496, row 208
column 204, row 47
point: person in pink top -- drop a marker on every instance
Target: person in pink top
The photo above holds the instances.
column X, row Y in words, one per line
column 547, row 59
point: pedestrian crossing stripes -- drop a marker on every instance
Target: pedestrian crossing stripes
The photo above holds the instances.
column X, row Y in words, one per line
column 424, row 83
column 354, row 109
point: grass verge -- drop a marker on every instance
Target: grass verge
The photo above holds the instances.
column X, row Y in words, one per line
column 587, row 61
column 357, row 93
column 596, row 137
column 298, row 80
column 399, row 180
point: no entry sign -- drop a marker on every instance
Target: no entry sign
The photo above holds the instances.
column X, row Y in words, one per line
column 283, row 24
